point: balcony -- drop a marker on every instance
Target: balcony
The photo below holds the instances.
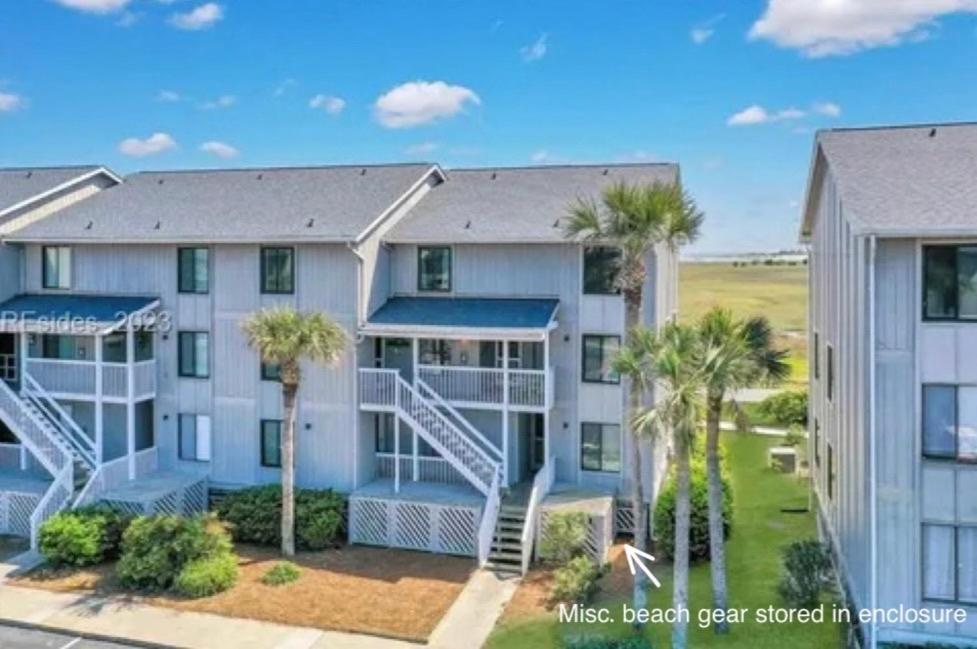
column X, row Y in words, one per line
column 481, row 387
column 77, row 379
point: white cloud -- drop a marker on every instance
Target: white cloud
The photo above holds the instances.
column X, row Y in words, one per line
column 168, row 96
column 128, row 19
column 535, row 50
column 704, row 30
column 328, row 103
column 94, row 6
column 224, row 101
column 202, row 17
column 838, row 27
column 757, row 114
column 827, row 108
column 283, row 87
column 219, row 149
column 422, row 102
column 422, row 148
column 9, row 102
column 155, row 143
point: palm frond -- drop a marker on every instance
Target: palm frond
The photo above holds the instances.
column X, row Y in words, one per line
column 584, row 221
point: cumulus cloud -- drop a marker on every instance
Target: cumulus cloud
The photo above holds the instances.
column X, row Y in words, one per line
column 283, row 87
column 224, row 101
column 168, row 96
column 827, row 108
column 328, row 103
column 422, row 148
column 421, row 102
column 9, row 102
column 535, row 50
column 820, row 28
column 219, row 149
column 94, row 6
column 757, row 114
column 155, row 143
column 704, row 30
column 202, row 17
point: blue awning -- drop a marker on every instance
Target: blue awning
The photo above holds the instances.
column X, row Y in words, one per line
column 465, row 313
column 93, row 310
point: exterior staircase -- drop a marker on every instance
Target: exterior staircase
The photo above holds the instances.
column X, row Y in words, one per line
column 506, row 557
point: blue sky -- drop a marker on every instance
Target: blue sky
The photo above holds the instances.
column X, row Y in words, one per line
column 733, row 91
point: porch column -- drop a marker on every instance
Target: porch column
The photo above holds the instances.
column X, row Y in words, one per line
column 130, row 401
column 547, row 391
column 23, row 356
column 99, row 411
column 505, row 413
column 415, row 359
column 397, row 444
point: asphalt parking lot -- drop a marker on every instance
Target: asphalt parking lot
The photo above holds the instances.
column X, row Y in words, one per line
column 17, row 638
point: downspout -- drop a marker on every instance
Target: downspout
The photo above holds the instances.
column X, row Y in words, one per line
column 873, row 438
column 357, row 339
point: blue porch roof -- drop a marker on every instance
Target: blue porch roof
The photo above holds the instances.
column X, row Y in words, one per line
column 466, row 312
column 94, row 308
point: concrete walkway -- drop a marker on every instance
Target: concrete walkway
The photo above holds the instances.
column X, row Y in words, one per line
column 467, row 623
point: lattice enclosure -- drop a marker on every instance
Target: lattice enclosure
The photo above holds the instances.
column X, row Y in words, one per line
column 15, row 512
column 187, row 499
column 369, row 521
column 623, row 518
column 429, row 527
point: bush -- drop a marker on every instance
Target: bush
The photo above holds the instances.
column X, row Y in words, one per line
column 576, row 581
column 807, row 569
column 156, row 549
column 255, row 516
column 786, row 408
column 589, row 642
column 795, row 436
column 699, row 513
column 563, row 537
column 82, row 537
column 283, row 572
column 205, row 577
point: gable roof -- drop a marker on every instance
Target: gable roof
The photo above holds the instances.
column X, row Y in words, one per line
column 334, row 203
column 900, row 181
column 514, row 204
column 22, row 185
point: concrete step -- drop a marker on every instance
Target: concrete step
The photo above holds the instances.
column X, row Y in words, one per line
column 504, row 569
column 507, row 548
column 506, row 560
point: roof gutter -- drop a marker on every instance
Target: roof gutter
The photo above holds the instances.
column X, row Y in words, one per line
column 873, row 444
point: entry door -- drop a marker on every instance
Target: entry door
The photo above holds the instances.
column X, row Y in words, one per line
column 398, row 355
column 8, row 360
column 534, row 432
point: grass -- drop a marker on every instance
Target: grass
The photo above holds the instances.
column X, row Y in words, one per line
column 760, row 531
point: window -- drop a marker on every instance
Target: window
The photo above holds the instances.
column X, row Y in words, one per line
column 817, row 443
column 831, row 472
column 600, row 447
column 432, row 351
column 950, row 563
column 598, row 354
column 271, row 372
column 950, row 283
column 114, row 346
column 816, row 352
column 194, row 440
column 950, row 422
column 385, row 428
column 434, row 268
column 277, row 270
column 271, row 442
column 194, row 354
column 193, row 268
column 831, row 372
column 600, row 268
column 58, row 347
column 56, row 267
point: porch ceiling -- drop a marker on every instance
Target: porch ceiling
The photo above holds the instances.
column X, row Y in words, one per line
column 70, row 313
column 470, row 316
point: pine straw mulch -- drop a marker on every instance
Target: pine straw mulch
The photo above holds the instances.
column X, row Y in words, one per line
column 390, row 593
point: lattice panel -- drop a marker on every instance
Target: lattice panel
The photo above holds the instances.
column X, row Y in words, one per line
column 623, row 518
column 456, row 531
column 19, row 509
column 127, row 507
column 195, row 498
column 369, row 521
column 168, row 504
column 412, row 526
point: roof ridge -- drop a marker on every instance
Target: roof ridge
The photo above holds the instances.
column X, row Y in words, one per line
column 895, row 127
column 375, row 165
column 585, row 165
column 55, row 167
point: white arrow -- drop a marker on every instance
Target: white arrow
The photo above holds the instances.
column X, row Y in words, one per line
column 635, row 557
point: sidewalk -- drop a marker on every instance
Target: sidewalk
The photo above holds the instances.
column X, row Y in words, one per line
column 467, row 623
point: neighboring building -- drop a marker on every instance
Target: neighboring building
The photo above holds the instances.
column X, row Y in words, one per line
column 891, row 220
column 478, row 364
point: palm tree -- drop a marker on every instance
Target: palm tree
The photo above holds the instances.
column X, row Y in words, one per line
column 285, row 337
column 673, row 358
column 636, row 219
column 736, row 354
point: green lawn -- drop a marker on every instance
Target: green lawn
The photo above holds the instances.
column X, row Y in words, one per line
column 760, row 531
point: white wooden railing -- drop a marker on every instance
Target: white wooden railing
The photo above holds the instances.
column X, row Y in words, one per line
column 60, row 421
column 429, row 469
column 542, row 484
column 144, row 377
column 473, row 432
column 33, row 432
column 490, row 515
column 486, row 385
column 78, row 377
column 56, row 498
column 115, row 473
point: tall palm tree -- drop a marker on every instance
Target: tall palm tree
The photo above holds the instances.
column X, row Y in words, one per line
column 285, row 337
column 736, row 354
column 673, row 359
column 636, row 219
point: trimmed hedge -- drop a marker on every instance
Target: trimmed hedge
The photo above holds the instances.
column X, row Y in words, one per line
column 82, row 537
column 564, row 537
column 576, row 581
column 787, row 408
column 254, row 516
column 205, row 577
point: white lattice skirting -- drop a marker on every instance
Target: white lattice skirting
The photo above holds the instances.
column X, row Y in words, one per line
column 445, row 529
column 187, row 499
column 15, row 512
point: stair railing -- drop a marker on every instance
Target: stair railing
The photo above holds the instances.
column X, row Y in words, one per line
column 542, row 483
column 58, row 417
column 476, row 434
column 28, row 427
column 56, row 498
column 490, row 516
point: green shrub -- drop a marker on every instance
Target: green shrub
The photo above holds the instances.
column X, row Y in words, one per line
column 795, row 436
column 155, row 549
column 590, row 642
column 807, row 569
column 576, row 581
column 283, row 572
column 82, row 537
column 699, row 512
column 563, row 537
column 206, row 577
column 254, row 516
column 785, row 408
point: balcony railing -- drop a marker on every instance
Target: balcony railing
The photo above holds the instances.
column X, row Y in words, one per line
column 485, row 386
column 77, row 378
column 429, row 469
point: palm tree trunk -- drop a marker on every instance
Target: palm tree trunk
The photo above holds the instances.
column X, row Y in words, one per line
column 680, row 591
column 717, row 543
column 288, row 470
column 639, row 594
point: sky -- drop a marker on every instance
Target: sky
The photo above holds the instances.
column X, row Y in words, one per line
column 732, row 91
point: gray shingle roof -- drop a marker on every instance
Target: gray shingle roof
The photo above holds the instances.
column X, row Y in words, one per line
column 513, row 204
column 905, row 181
column 18, row 185
column 282, row 204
